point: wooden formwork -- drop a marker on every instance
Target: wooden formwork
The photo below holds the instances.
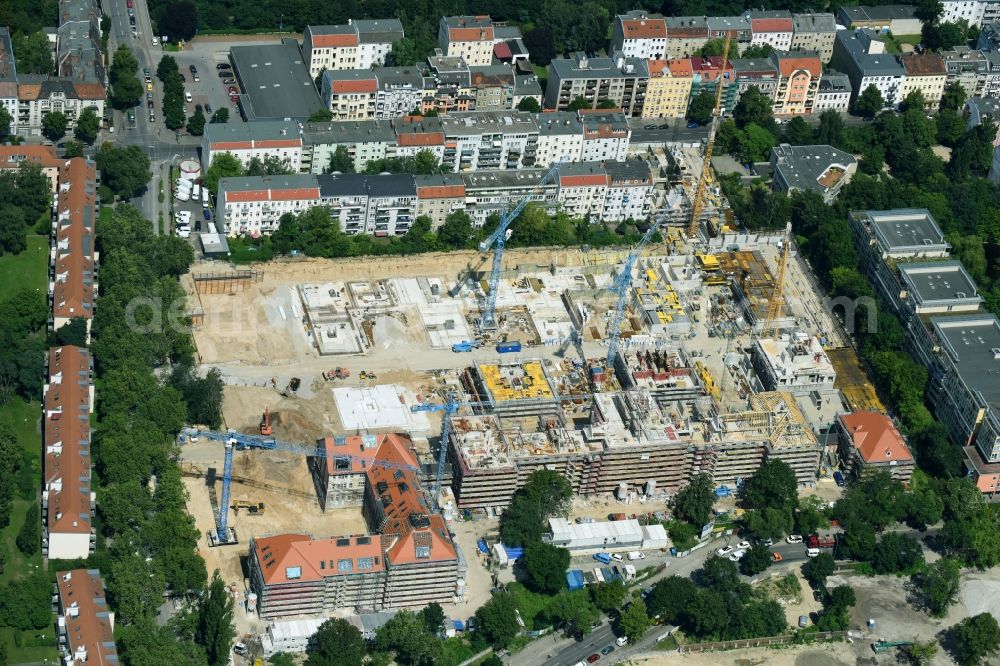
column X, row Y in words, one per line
column 227, row 282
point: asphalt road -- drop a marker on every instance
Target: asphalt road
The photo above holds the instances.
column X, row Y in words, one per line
column 676, row 132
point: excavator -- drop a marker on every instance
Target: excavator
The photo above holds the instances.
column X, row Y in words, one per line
column 265, row 423
column 252, row 508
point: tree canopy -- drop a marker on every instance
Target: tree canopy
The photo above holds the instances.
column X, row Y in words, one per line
column 337, row 643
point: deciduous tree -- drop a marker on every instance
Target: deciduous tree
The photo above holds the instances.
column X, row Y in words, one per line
column 634, row 620
column 818, row 569
column 496, row 620
column 976, row 638
column 337, row 643
column 937, row 587
column 215, row 630
column 54, row 125
column 546, row 567
column 869, row 102
column 694, row 501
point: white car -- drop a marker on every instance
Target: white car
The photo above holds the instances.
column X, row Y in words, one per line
column 616, row 557
column 725, row 550
column 812, row 552
column 187, row 96
column 793, row 538
column 621, row 640
column 743, row 545
column 737, row 555
column 156, row 41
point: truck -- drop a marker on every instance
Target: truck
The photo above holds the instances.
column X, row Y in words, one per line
column 508, row 347
column 336, row 373
column 195, row 191
column 464, row 346
column 617, row 516
column 602, row 557
column 817, row 541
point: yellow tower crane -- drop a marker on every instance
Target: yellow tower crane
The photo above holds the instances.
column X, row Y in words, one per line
column 706, row 171
column 770, row 328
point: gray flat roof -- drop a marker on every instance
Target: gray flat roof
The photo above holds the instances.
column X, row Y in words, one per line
column 293, row 181
column 933, row 282
column 802, row 166
column 392, row 185
column 815, row 22
column 757, row 65
column 560, row 122
column 488, row 122
column 275, row 81
column 256, row 130
column 343, row 185
column 379, row 31
column 349, row 131
column 973, row 343
column 904, row 228
column 833, row 81
column 855, row 44
column 599, row 68
column 628, row 171
column 487, row 179
column 728, row 23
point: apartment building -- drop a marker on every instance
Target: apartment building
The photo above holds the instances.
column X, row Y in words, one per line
column 254, row 204
column 737, row 28
column 975, row 12
column 618, row 80
column 560, row 138
column 977, row 110
column 814, row 32
column 897, row 19
column 416, row 134
column 72, row 258
column 470, row 37
column 492, row 87
column 357, row 45
column 637, row 34
column 407, row 560
column 392, row 204
column 863, row 58
column 493, row 192
column 760, row 73
column 822, row 169
column 8, row 78
column 38, row 96
column 489, row 140
column 276, row 139
column 926, row 73
column 869, row 442
column 44, row 157
column 349, row 94
column 68, row 502
column 799, row 75
column 439, row 196
column 79, row 57
column 834, row 92
column 629, row 193
column 978, row 72
column 685, row 35
column 707, row 75
column 86, row 623
column 669, row 88
column 794, row 363
column 582, row 189
column 365, row 141
column 773, row 28
column 606, row 136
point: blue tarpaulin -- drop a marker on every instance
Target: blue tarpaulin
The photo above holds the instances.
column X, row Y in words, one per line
column 513, row 553
column 574, row 579
column 483, row 548
column 459, row 625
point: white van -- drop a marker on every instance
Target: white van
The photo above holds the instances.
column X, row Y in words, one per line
column 621, row 640
column 196, row 191
column 636, row 555
column 812, row 552
column 204, row 197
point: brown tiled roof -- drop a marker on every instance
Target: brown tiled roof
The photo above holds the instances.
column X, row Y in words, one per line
column 875, row 437
column 67, row 441
column 924, row 64
column 335, row 40
column 470, row 34
column 788, row 64
column 90, row 91
column 73, row 289
column 771, row 25
column 29, row 91
column 89, row 622
column 420, row 139
column 11, row 157
column 300, row 558
column 644, row 28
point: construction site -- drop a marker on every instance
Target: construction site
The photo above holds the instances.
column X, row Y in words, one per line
column 368, row 416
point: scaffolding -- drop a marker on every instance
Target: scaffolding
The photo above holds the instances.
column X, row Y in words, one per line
column 229, row 282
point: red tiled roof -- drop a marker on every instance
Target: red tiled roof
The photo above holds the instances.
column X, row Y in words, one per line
column 771, row 25
column 440, row 191
column 360, row 86
column 66, row 425
column 295, row 194
column 470, row 34
column 29, row 91
column 420, row 139
column 435, row 537
column 90, row 90
column 787, row 65
column 876, row 437
column 681, row 67
column 333, row 41
column 584, row 180
column 657, row 67
column 11, row 157
column 232, row 145
column 246, row 196
column 644, row 28
column 300, row 558
column 89, row 622
column 73, row 288
column 502, row 51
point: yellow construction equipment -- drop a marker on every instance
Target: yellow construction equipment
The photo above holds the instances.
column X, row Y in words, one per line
column 252, row 508
column 698, row 204
column 770, row 327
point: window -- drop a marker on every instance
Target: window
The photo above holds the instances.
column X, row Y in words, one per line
column 423, row 552
column 345, row 565
column 292, row 573
column 366, row 563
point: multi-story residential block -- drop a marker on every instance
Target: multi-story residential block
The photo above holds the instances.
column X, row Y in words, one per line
column 276, row 139
column 822, row 169
column 669, row 88
column 400, row 91
column 798, row 365
column 470, row 37
column 974, row 12
column 582, row 189
column 900, row 234
column 525, row 86
column 868, row 442
column 606, row 136
column 640, row 35
column 349, row 94
column 926, row 73
column 44, row 157
column 629, row 194
column 406, row 560
column 798, row 82
column 79, row 57
column 737, row 28
column 492, row 87
column 358, row 45
column 392, row 204
column 73, row 259
column 685, row 35
column 416, row 134
column 492, row 192
column 897, row 19
column 814, row 32
column 968, row 68
column 619, row 80
column 707, row 73
column 86, row 624
column 452, row 90
column 560, row 138
column 771, row 27
column 863, row 58
column 48, row 95
column 490, row 140
column 68, row 502
column 834, row 92
column 761, row 73
column 989, row 37
column 8, row 79
column 346, row 197
column 254, row 204
column 439, row 196
column 365, row 141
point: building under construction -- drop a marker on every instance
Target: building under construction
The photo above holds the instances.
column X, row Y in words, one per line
column 796, row 363
column 666, row 373
column 753, row 287
column 513, row 389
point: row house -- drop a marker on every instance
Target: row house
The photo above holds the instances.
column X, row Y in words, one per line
column 254, row 204
column 814, row 32
column 773, row 28
column 798, row 82
column 72, row 257
column 68, row 502
column 470, row 37
column 669, row 88
column 618, row 80
column 357, row 45
column 275, row 139
column 834, row 92
column 926, row 73
column 86, row 623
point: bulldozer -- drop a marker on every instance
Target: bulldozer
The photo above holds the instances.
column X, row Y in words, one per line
column 265, row 423
column 252, row 508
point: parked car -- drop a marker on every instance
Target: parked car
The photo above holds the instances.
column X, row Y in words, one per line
column 649, row 127
column 156, row 41
column 621, row 640
column 743, row 545
column 208, row 108
column 838, row 477
column 225, row 75
column 229, row 81
column 608, row 649
column 693, row 125
column 234, row 98
column 737, row 555
column 187, row 96
column 594, row 657
column 725, row 550
column 812, row 552
column 223, row 65
column 793, row 538
column 233, row 90
column 776, row 557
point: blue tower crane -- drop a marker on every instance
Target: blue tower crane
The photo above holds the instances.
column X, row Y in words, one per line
column 236, row 441
column 620, row 287
column 498, row 240
column 449, row 407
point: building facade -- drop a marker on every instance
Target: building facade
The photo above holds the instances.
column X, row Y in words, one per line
column 798, row 83
column 470, row 37
column 640, row 35
column 668, row 90
column 616, row 80
column 275, row 139
column 868, row 442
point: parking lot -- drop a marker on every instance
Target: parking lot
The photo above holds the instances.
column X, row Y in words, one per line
column 209, row 89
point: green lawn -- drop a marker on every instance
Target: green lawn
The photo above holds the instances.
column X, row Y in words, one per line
column 28, row 269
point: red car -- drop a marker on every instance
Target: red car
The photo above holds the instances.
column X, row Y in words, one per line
column 594, row 657
column 234, row 98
